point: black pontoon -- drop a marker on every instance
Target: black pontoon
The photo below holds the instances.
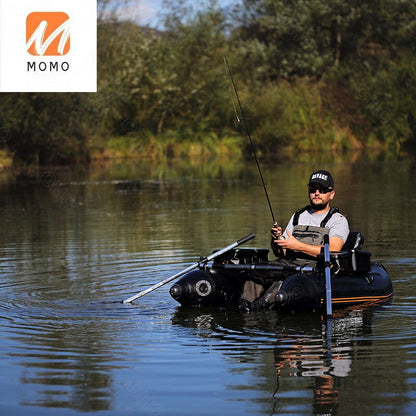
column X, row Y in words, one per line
column 355, row 279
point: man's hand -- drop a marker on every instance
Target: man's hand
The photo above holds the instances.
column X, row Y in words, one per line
column 276, row 232
column 290, row 242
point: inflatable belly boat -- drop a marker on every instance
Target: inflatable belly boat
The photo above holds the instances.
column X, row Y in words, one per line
column 355, row 279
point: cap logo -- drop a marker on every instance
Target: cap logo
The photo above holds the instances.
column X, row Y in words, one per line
column 320, row 176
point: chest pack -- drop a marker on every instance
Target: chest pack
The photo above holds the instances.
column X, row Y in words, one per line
column 311, row 234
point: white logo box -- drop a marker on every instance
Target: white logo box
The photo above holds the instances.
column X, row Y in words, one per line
column 74, row 71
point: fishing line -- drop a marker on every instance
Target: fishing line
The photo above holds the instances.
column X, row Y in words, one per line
column 240, row 118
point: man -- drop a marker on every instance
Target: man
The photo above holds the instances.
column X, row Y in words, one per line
column 305, row 230
column 303, row 237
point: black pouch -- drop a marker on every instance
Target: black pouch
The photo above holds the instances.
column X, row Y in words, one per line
column 351, row 261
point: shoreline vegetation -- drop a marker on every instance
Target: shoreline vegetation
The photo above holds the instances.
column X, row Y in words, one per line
column 227, row 148
column 321, row 76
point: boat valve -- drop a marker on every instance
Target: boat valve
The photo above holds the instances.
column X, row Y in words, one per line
column 176, row 291
column 281, row 297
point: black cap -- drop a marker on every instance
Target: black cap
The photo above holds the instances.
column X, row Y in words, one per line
column 322, row 177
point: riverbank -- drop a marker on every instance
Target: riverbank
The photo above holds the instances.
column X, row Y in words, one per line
column 211, row 149
column 208, row 145
column 140, row 145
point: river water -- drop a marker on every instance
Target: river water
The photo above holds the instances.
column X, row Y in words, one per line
column 75, row 242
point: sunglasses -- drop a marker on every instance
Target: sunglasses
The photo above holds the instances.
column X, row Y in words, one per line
column 313, row 188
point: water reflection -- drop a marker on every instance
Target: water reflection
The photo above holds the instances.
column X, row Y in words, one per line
column 292, row 347
column 75, row 242
column 65, row 352
column 73, row 378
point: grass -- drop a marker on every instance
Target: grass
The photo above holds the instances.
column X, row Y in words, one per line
column 169, row 145
column 6, row 159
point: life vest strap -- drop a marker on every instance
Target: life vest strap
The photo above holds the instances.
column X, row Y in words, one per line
column 328, row 216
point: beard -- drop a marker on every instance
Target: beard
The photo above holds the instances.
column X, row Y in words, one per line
column 318, row 207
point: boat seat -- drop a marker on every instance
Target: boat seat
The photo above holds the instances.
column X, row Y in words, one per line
column 355, row 241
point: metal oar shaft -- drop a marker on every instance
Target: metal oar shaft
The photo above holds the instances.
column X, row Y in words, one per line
column 157, row 285
column 328, row 288
column 188, row 269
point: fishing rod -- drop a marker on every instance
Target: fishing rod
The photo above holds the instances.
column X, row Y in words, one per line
column 244, row 119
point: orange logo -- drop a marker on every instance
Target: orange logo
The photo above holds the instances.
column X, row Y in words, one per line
column 47, row 33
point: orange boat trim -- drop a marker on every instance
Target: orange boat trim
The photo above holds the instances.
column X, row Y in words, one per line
column 359, row 299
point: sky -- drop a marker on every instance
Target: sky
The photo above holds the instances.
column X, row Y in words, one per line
column 143, row 11
column 146, row 11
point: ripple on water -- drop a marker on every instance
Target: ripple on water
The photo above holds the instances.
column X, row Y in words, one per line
column 68, row 342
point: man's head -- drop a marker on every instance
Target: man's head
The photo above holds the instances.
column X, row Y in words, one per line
column 322, row 178
column 321, row 189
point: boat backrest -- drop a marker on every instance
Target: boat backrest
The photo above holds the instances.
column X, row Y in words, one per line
column 355, row 241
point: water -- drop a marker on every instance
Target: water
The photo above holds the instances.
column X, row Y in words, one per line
column 74, row 243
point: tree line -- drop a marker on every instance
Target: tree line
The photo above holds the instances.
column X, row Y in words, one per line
column 321, row 74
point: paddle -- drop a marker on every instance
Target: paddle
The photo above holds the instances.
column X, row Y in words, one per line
column 188, row 269
column 327, row 276
column 263, row 267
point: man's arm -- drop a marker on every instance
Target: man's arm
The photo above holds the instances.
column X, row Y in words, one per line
column 291, row 243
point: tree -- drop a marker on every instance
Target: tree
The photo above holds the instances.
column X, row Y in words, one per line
column 310, row 38
column 45, row 128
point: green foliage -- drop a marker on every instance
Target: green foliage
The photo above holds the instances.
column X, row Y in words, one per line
column 311, row 75
column 301, row 38
column 45, row 128
column 287, row 117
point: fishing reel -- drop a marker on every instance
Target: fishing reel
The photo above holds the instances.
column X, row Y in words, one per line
column 278, row 237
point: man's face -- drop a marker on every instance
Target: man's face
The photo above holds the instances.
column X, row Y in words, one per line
column 320, row 196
